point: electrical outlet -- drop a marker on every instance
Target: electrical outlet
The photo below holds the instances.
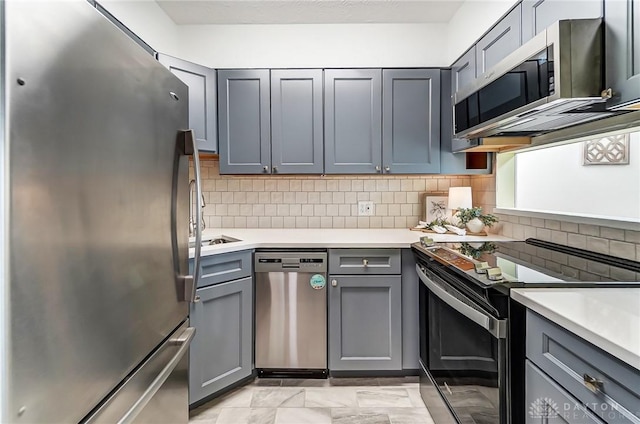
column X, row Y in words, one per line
column 365, row 208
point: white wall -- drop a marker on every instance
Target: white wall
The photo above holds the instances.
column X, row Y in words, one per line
column 148, row 21
column 472, row 20
column 315, row 45
column 554, row 179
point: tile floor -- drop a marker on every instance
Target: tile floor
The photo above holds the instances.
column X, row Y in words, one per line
column 332, row 401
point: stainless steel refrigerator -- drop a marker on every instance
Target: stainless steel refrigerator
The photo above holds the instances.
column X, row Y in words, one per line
column 94, row 209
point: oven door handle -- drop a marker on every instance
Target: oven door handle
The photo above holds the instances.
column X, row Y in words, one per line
column 496, row 327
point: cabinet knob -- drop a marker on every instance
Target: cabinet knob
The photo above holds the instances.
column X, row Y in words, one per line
column 196, row 299
column 265, row 169
column 377, row 168
column 593, row 383
column 387, row 168
column 365, row 262
column 334, row 283
column 275, row 169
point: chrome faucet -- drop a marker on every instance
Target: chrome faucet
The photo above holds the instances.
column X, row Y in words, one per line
column 192, row 220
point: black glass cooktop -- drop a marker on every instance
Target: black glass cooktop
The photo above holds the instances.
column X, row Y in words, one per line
column 532, row 262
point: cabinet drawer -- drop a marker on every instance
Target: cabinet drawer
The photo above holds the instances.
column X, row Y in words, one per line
column 570, row 360
column 364, row 261
column 224, row 267
column 546, row 402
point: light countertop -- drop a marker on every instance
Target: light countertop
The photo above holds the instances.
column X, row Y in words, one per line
column 326, row 238
column 608, row 318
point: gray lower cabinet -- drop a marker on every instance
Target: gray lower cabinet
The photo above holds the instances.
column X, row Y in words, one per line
column 608, row 387
column 352, row 121
column 463, row 71
column 202, row 98
column 365, row 323
column 472, row 163
column 411, row 121
column 539, row 14
column 622, row 39
column 296, row 121
column 410, row 312
column 548, row 403
column 500, row 41
column 221, row 351
column 244, row 120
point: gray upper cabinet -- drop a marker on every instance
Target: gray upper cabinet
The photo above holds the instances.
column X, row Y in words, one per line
column 353, row 118
column 411, row 121
column 502, row 39
column 365, row 323
column 464, row 70
column 202, row 98
column 221, row 351
column 296, row 121
column 539, row 14
column 471, row 163
column 244, row 121
column 622, row 38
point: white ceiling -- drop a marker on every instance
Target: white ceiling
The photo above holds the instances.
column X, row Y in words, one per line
column 194, row 12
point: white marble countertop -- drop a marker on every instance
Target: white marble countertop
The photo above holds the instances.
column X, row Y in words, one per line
column 608, row 318
column 252, row 238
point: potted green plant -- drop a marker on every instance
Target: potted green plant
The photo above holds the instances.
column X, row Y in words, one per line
column 474, row 219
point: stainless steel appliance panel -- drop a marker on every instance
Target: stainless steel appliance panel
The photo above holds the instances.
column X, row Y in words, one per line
column 155, row 393
column 96, row 184
column 291, row 316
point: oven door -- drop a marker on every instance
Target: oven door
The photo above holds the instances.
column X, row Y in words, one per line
column 463, row 353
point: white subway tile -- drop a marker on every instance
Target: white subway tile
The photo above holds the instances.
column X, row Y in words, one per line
column 277, row 222
column 295, row 210
column 252, row 222
column 264, row 222
column 308, row 185
column 314, row 222
column 351, row 222
column 338, row 222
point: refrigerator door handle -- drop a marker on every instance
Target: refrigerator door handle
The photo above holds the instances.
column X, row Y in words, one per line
column 184, row 340
column 191, row 281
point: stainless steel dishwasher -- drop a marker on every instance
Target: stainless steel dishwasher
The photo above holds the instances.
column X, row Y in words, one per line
column 291, row 313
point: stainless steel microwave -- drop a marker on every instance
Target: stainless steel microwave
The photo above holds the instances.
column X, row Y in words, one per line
column 553, row 81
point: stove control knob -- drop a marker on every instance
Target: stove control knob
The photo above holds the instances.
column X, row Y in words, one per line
column 482, row 267
column 494, row 274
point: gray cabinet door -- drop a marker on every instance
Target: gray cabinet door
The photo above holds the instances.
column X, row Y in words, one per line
column 244, row 121
column 549, row 403
column 296, row 121
column 353, row 118
column 456, row 163
column 501, row 40
column 365, row 323
column 464, row 70
column 411, row 121
column 221, row 350
column 622, row 40
column 539, row 14
column 202, row 98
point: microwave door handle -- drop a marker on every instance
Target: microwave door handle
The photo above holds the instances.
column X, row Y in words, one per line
column 496, row 327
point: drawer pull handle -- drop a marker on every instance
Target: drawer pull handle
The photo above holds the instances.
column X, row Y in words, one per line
column 365, row 262
column 593, row 383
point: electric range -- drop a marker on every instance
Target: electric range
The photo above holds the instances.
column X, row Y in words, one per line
column 472, row 335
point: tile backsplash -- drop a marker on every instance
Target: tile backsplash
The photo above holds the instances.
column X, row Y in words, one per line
column 607, row 240
column 298, row 201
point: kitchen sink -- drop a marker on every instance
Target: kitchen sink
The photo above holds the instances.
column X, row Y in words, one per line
column 211, row 241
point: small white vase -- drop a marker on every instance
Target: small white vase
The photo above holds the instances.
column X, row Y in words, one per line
column 475, row 225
